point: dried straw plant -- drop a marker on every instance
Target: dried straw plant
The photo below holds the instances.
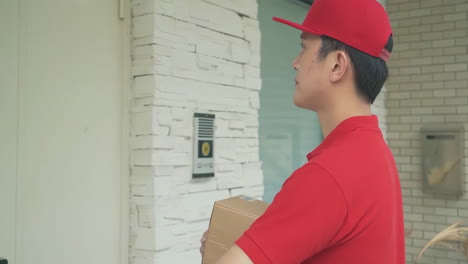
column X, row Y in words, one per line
column 438, row 174
column 453, row 237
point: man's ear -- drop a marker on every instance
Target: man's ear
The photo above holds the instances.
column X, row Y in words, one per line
column 340, row 62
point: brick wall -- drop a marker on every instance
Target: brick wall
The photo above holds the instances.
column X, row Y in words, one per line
column 428, row 85
column 189, row 56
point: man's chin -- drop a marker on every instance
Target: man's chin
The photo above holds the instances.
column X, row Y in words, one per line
column 303, row 104
column 299, row 103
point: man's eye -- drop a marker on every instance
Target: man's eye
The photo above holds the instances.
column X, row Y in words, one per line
column 301, row 45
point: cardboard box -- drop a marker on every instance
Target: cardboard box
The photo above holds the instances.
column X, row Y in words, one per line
column 229, row 219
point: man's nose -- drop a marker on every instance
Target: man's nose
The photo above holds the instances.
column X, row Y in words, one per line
column 295, row 64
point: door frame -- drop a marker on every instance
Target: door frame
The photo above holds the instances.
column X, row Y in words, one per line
column 126, row 26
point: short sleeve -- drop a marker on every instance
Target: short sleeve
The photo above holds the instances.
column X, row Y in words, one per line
column 302, row 220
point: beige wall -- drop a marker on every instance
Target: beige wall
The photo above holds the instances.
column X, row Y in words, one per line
column 61, row 111
column 428, row 85
column 9, row 24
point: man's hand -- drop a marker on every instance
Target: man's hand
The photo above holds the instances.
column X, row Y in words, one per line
column 203, row 242
column 235, row 255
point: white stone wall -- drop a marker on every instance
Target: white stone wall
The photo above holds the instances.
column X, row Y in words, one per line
column 428, row 85
column 190, row 56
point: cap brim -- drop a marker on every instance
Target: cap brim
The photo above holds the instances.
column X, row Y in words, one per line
column 296, row 25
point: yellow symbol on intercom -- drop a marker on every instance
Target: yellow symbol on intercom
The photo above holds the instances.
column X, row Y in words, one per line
column 206, row 149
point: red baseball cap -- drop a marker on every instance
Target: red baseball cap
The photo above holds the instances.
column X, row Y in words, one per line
column 361, row 24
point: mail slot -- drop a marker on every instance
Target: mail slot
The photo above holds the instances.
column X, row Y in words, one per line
column 443, row 159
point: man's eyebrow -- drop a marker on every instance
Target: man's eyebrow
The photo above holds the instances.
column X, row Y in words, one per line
column 302, row 36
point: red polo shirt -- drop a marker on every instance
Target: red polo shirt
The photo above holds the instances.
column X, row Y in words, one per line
column 343, row 206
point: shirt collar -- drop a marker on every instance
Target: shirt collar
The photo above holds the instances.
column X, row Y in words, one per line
column 346, row 126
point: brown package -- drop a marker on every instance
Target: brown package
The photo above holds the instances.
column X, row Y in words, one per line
column 229, row 219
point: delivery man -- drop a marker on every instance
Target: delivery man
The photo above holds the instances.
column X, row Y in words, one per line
column 344, row 205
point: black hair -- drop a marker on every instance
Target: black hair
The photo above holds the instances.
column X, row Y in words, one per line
column 370, row 72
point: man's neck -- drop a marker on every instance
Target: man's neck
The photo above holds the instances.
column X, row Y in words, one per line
column 329, row 119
